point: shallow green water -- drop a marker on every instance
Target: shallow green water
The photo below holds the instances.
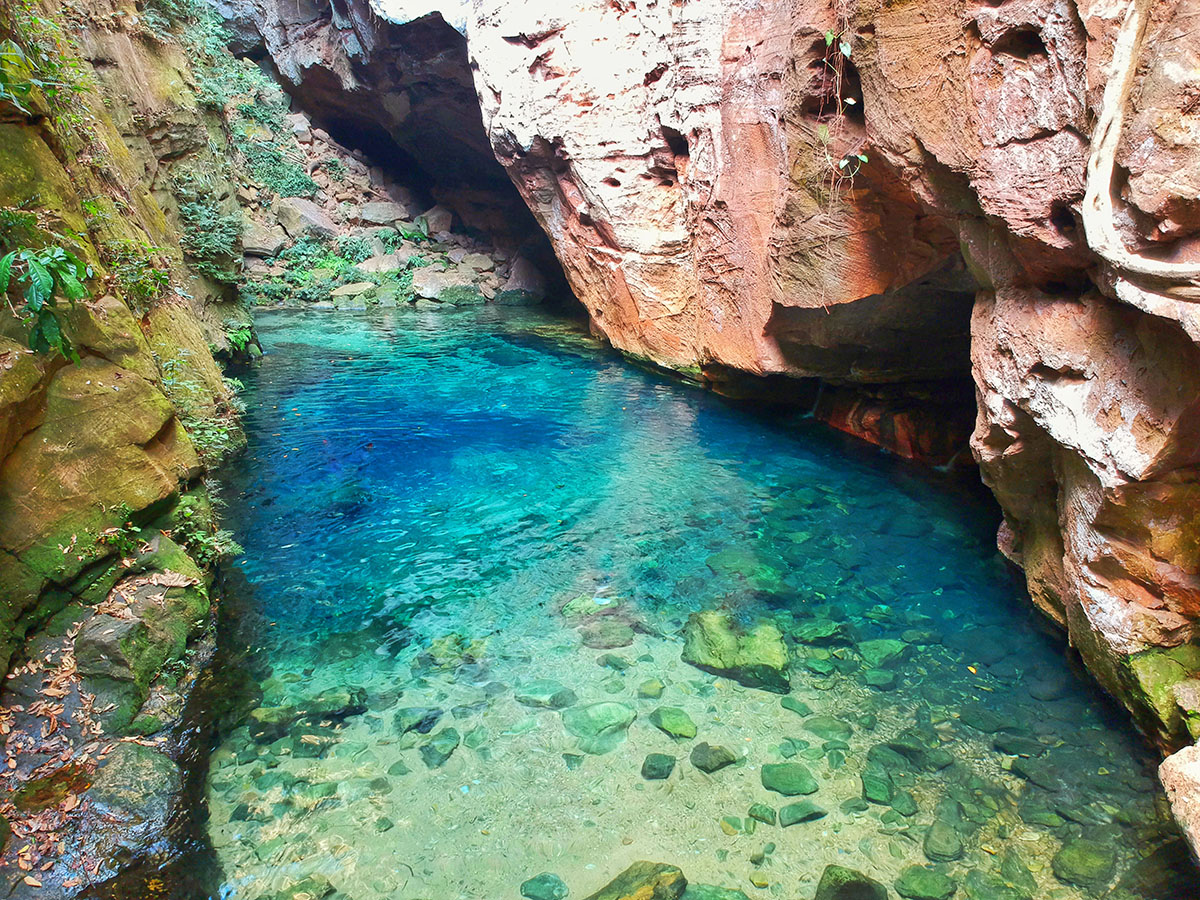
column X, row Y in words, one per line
column 426, row 491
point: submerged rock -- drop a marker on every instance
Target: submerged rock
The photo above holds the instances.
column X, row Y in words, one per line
column 1084, row 863
column 600, row 727
column 711, row 757
column 438, row 749
column 657, row 766
column 673, row 721
column 606, row 633
column 840, row 883
column 788, row 779
column 644, row 881
column 546, row 886
column 804, row 811
column 757, row 658
column 546, row 693
column 920, row 883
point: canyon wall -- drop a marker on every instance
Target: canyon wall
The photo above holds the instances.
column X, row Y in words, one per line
column 887, row 197
column 115, row 184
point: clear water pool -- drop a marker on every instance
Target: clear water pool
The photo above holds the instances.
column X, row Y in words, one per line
column 466, row 530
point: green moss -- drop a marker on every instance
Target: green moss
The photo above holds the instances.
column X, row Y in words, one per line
column 1155, row 672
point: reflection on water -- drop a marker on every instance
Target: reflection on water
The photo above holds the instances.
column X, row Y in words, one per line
column 476, row 540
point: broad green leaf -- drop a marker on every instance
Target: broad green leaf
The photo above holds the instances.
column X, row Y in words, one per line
column 862, row 157
column 829, row 38
column 844, row 46
column 40, row 276
column 6, row 270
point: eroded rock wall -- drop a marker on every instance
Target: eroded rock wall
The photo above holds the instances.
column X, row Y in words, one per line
column 104, row 618
column 886, row 196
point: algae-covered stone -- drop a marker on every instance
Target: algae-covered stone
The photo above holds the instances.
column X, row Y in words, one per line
column 756, row 658
column 420, row 719
column 942, row 842
column 829, row 728
column 788, row 779
column 644, row 881
column 673, row 721
column 711, row 757
column 762, row 813
column 546, row 886
column 804, row 811
column 840, row 883
column 920, row 883
column 438, row 749
column 650, row 689
column 1084, row 863
column 599, row 727
column 877, row 785
column 657, row 766
column 546, row 694
column 980, row 885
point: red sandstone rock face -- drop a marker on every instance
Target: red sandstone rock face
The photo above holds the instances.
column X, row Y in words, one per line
column 682, row 158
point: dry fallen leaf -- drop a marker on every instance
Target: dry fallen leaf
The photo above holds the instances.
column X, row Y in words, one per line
column 32, row 882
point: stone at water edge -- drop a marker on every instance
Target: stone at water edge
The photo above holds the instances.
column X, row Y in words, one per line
column 673, row 721
column 840, row 883
column 920, row 883
column 711, row 757
column 545, row 693
column 757, row 658
column 657, row 766
column 1084, row 863
column 546, row 886
column 644, row 881
column 600, row 727
column 788, row 779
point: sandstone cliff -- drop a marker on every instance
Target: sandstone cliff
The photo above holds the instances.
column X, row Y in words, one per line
column 114, row 190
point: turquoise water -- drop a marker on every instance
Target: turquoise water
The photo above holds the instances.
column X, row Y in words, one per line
column 445, row 510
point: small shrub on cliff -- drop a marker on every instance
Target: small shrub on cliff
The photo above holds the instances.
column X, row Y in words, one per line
column 208, row 236
column 354, row 249
column 271, row 166
column 196, row 530
column 139, row 270
column 37, row 62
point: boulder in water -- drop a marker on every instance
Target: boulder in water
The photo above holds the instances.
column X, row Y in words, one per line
column 840, row 883
column 644, row 881
column 756, row 658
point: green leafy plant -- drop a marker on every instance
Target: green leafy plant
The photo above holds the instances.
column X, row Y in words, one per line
column 208, row 236
column 139, row 270
column 240, row 335
column 44, row 276
column 196, row 530
column 36, row 62
column 840, row 167
column 335, row 167
column 124, row 538
column 354, row 249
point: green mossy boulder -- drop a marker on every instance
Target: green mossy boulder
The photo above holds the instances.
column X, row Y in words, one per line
column 756, row 658
column 644, row 881
column 840, row 883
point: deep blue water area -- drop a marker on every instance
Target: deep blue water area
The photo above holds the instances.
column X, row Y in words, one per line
column 474, row 539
